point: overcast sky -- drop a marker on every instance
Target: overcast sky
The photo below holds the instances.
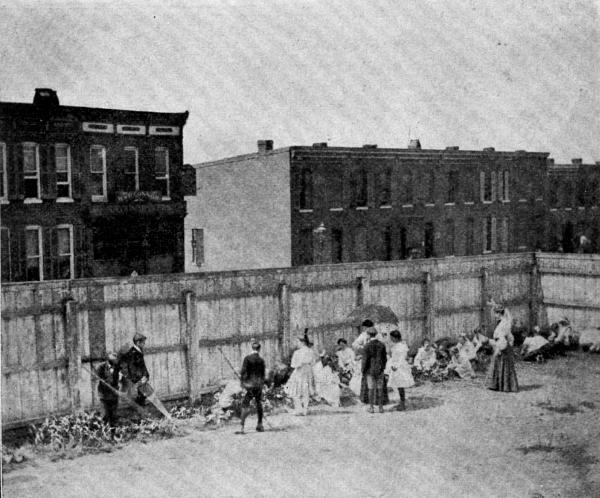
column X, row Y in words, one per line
column 507, row 74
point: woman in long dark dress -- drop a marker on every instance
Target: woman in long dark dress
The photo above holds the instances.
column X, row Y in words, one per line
column 502, row 375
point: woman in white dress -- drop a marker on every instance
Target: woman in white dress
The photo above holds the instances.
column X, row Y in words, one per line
column 398, row 369
column 301, row 384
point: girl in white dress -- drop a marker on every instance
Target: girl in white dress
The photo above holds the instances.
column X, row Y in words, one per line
column 300, row 385
column 398, row 369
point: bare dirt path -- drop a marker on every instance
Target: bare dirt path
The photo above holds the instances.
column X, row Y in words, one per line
column 457, row 439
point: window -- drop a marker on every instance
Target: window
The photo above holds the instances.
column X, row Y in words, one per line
column 33, row 253
column 198, row 246
column 3, row 173
column 485, row 184
column 430, row 187
column 470, row 190
column 360, row 244
column 503, row 180
column 385, row 187
column 62, row 158
column 567, row 199
column 489, row 234
column 386, row 238
column 360, row 190
column 336, row 188
column 470, row 235
column 31, row 170
column 503, row 235
column 452, row 187
column 337, row 245
column 161, row 172
column 98, row 173
column 449, row 237
column 406, row 188
column 305, row 253
column 553, row 197
column 306, row 188
column 64, row 257
column 592, row 192
column 131, row 170
column 5, row 275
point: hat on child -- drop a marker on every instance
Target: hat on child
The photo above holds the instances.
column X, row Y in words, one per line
column 367, row 323
column 139, row 337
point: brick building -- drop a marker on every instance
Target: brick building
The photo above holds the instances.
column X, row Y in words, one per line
column 89, row 192
column 317, row 204
column 573, row 206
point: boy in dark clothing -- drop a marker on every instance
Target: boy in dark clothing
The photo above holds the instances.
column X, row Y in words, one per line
column 252, row 378
column 110, row 374
column 134, row 368
column 373, row 365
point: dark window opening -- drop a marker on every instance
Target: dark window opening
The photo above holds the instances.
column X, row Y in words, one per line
column 305, row 247
column 470, row 234
column 306, row 188
column 452, row 187
column 337, row 238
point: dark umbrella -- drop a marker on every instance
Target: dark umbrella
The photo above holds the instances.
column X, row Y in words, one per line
column 374, row 312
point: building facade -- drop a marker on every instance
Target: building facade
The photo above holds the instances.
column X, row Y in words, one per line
column 342, row 204
column 573, row 207
column 89, row 192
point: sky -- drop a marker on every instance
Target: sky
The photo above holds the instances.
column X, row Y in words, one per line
column 485, row 73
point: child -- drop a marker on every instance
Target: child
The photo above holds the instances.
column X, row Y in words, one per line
column 460, row 364
column 398, row 369
column 425, row 359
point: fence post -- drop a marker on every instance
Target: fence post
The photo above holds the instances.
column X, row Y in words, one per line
column 428, row 305
column 534, row 294
column 483, row 310
column 73, row 350
column 283, row 325
column 193, row 346
column 363, row 288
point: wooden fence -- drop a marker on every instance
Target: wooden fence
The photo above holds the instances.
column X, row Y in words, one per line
column 53, row 332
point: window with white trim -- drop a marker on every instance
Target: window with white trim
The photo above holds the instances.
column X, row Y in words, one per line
column 161, row 171
column 5, row 272
column 64, row 257
column 98, row 173
column 31, row 170
column 503, row 235
column 62, row 159
column 198, row 246
column 33, row 253
column 131, row 170
column 3, row 173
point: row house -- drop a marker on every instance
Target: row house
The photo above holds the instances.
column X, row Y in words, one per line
column 342, row 204
column 573, row 203
column 89, row 192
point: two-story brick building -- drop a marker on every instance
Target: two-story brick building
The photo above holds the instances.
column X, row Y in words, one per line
column 573, row 202
column 318, row 204
column 88, row 191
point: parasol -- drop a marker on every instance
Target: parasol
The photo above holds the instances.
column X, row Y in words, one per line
column 375, row 312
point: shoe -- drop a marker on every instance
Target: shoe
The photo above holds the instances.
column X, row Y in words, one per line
column 260, row 428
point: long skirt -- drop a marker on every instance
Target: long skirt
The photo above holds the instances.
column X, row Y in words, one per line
column 301, row 383
column 502, row 375
column 364, row 391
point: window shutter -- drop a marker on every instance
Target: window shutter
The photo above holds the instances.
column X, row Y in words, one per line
column 47, row 172
column 482, row 187
column 15, row 176
column 49, row 252
column 506, row 186
column 76, row 166
column 484, row 234
column 494, row 235
column 495, row 195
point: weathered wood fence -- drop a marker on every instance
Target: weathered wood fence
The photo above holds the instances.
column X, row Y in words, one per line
column 53, row 332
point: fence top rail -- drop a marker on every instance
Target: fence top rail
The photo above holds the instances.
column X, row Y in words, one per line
column 428, row 264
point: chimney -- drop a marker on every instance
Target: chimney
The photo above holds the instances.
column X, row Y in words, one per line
column 414, row 144
column 45, row 97
column 488, row 149
column 319, row 145
column 452, row 147
column 264, row 146
column 369, row 146
column 577, row 161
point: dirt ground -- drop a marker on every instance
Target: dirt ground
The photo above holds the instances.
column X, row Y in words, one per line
column 456, row 439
